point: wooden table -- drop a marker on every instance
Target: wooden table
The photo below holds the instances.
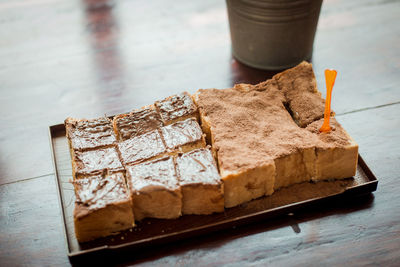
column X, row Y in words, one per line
column 89, row 58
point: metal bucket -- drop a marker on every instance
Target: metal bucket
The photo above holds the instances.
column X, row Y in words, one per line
column 273, row 34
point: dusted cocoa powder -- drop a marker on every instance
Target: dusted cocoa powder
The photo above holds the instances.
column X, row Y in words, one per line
column 251, row 125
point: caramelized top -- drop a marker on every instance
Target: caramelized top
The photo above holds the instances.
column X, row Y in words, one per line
column 153, row 175
column 87, row 134
column 182, row 133
column 95, row 161
column 141, row 147
column 136, row 123
column 98, row 191
column 176, row 106
column 197, row 167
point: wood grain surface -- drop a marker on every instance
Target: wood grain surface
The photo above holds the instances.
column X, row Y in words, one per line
column 89, row 58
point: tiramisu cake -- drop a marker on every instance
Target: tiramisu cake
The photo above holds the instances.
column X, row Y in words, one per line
column 266, row 136
column 200, row 154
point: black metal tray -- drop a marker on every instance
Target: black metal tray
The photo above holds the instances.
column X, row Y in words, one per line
column 153, row 231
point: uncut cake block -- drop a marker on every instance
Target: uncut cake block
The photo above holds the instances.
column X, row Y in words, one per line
column 201, row 185
column 177, row 108
column 336, row 153
column 155, row 189
column 141, row 148
column 238, row 130
column 183, row 136
column 103, row 206
column 136, row 123
column 91, row 162
column 259, row 147
column 89, row 134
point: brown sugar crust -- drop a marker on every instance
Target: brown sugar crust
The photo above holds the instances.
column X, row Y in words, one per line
column 142, row 147
column 136, row 123
column 176, row 106
column 302, row 97
column 88, row 134
column 197, row 167
column 251, row 125
column 98, row 191
column 96, row 161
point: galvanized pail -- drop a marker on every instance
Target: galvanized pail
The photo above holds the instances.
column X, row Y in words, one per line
column 273, row 34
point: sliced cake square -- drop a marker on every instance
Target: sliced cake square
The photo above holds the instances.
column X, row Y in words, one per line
column 183, row 136
column 247, row 183
column 336, row 152
column 143, row 147
column 89, row 134
column 155, row 190
column 136, row 123
column 87, row 163
column 103, row 206
column 201, row 185
column 177, row 108
column 295, row 167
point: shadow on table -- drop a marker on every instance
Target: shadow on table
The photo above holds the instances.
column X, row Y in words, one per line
column 103, row 37
column 218, row 239
column 242, row 73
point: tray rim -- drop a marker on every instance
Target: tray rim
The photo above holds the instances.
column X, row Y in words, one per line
column 224, row 224
column 59, row 196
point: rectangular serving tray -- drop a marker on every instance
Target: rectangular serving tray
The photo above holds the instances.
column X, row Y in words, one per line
column 154, row 231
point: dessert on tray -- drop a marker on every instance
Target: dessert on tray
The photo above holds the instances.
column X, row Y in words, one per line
column 86, row 163
column 183, row 136
column 88, row 134
column 200, row 154
column 202, row 188
column 136, row 123
column 177, row 108
column 265, row 138
column 103, row 206
column 336, row 152
column 155, row 189
column 141, row 148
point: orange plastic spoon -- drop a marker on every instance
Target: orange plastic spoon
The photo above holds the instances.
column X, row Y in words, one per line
column 330, row 77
